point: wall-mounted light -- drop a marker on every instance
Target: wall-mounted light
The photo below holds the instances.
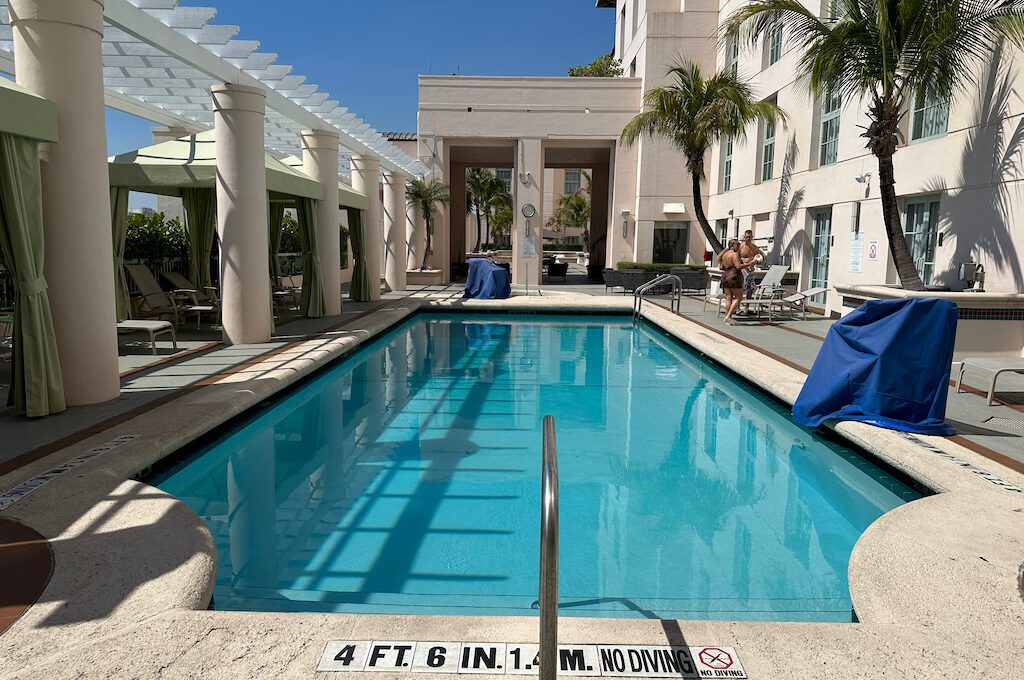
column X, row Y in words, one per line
column 625, row 223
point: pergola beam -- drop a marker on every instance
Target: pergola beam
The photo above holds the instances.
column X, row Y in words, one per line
column 146, row 28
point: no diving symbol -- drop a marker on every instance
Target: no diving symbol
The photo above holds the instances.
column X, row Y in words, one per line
column 716, row 658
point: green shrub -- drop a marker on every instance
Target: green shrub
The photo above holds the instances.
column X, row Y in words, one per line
column 152, row 239
column 657, row 267
column 290, row 235
column 565, row 247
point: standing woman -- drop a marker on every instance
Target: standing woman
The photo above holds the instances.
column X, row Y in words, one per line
column 732, row 278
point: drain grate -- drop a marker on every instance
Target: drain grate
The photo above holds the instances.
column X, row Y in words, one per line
column 1006, row 423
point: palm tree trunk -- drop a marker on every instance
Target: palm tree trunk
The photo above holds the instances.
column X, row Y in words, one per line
column 427, row 250
column 905, row 267
column 698, row 208
column 479, row 229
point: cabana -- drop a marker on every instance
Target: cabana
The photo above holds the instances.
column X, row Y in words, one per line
column 355, row 204
column 187, row 168
column 25, row 120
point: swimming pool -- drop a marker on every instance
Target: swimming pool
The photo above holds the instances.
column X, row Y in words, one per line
column 406, row 479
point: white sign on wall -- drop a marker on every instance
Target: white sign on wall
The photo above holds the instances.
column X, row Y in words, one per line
column 857, row 253
column 872, row 251
column 528, row 246
column 501, row 658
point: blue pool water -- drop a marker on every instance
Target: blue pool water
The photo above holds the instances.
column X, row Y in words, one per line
column 406, row 479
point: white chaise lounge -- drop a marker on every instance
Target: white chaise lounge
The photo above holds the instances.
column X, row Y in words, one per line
column 990, row 368
column 153, row 327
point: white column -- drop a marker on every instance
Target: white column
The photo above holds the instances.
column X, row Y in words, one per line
column 58, row 55
column 238, row 118
column 320, row 161
column 366, row 180
column 415, row 236
column 396, row 264
column 529, row 166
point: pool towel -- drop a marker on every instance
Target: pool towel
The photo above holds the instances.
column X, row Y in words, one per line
column 886, row 363
column 487, row 281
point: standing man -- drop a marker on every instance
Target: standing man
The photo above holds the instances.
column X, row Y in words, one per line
column 750, row 251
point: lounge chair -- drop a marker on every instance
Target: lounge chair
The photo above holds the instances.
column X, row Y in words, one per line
column 558, row 270
column 158, row 303
column 206, row 296
column 990, row 368
column 797, row 302
column 715, row 294
column 612, row 280
column 154, row 328
column 771, row 281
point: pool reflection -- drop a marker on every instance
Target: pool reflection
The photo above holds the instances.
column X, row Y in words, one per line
column 407, row 480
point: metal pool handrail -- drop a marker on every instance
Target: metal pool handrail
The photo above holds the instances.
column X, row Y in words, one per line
column 677, row 293
column 549, row 554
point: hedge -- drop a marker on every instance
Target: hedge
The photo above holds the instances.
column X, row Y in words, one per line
column 657, row 267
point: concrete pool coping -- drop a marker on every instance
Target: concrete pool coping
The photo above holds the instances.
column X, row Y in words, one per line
column 934, row 582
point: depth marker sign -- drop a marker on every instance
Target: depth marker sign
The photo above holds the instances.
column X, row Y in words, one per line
column 500, row 658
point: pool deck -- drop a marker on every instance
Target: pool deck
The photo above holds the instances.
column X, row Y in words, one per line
column 935, row 583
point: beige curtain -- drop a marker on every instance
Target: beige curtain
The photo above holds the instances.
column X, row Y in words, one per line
column 36, row 386
column 119, row 231
column 201, row 225
column 312, row 279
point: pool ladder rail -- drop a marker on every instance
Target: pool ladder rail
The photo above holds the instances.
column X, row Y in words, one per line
column 677, row 293
column 549, row 554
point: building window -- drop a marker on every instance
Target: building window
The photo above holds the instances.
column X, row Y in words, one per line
column 572, row 181
column 921, row 226
column 822, row 244
column 727, row 163
column 622, row 33
column 830, row 10
column 505, row 175
column 774, row 45
column 636, row 15
column 722, row 230
column 734, row 56
column 830, row 111
column 931, row 115
column 671, row 242
column 768, row 151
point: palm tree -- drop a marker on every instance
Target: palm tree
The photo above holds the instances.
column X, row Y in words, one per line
column 884, row 52
column 425, row 196
column 478, row 181
column 574, row 211
column 693, row 113
column 495, row 198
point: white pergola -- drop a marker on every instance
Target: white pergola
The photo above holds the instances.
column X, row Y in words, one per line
column 173, row 66
column 160, row 61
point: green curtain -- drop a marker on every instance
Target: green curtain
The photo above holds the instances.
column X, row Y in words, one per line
column 37, row 387
column 119, row 231
column 359, row 289
column 312, row 279
column 201, row 224
column 275, row 218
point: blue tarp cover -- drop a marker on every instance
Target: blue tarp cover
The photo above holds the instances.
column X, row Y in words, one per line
column 487, row 281
column 886, row 363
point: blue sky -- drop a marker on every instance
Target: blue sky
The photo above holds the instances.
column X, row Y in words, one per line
column 368, row 54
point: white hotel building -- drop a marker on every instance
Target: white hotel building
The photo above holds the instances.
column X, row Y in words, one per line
column 811, row 186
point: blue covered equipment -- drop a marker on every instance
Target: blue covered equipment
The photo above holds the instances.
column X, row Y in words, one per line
column 487, row 281
column 887, row 363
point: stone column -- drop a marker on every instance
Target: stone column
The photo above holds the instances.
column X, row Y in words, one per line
column 320, row 161
column 58, row 55
column 366, row 180
column 395, row 264
column 238, row 119
column 415, row 236
column 529, row 166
